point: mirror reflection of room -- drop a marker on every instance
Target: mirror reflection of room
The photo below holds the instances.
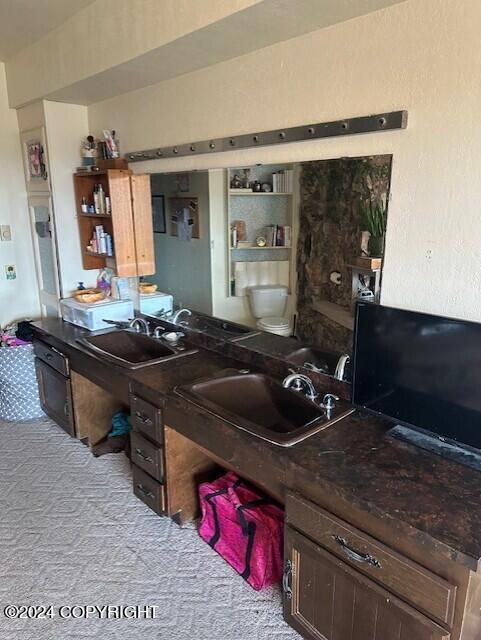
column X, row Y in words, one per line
column 284, row 250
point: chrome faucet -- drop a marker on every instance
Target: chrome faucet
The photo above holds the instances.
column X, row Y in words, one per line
column 341, row 367
column 140, row 326
column 298, row 382
column 158, row 332
column 175, row 317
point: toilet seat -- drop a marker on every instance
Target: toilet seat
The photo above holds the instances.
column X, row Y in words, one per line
column 274, row 324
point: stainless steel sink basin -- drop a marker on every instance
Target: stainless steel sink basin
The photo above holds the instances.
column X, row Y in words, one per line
column 133, row 350
column 262, row 406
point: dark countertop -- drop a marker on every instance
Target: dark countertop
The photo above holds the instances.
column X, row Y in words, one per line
column 428, row 498
column 271, row 344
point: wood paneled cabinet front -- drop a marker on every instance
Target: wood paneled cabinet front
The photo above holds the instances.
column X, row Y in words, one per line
column 326, row 599
column 129, row 222
column 55, row 396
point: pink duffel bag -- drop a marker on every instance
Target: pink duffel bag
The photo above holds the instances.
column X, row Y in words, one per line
column 244, row 528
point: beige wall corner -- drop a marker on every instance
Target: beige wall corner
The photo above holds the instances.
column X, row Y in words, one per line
column 18, row 298
column 66, row 125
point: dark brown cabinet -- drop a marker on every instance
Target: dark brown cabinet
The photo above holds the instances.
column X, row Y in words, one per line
column 326, row 599
column 148, row 464
column 55, row 396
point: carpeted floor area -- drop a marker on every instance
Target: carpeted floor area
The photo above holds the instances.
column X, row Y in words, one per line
column 72, row 533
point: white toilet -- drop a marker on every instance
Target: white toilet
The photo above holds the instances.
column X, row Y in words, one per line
column 268, row 304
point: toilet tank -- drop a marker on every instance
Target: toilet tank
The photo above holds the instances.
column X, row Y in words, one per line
column 268, row 300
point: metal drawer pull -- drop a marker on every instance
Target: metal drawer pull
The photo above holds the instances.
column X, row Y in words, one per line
column 47, row 356
column 144, row 492
column 143, row 419
column 142, row 455
column 285, row 580
column 357, row 556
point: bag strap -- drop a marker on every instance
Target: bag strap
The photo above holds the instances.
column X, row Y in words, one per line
column 249, row 529
column 250, row 505
column 251, row 533
column 209, row 498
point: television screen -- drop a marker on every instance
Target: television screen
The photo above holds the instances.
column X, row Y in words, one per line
column 419, row 370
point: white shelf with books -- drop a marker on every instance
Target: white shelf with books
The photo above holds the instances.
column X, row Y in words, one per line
column 260, row 202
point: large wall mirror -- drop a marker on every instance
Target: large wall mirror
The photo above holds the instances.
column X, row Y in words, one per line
column 280, row 251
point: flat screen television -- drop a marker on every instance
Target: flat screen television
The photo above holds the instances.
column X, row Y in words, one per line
column 419, row 370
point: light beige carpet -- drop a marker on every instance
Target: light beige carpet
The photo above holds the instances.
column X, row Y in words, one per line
column 72, row 533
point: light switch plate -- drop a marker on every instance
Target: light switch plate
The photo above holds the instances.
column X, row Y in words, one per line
column 5, row 232
column 10, row 272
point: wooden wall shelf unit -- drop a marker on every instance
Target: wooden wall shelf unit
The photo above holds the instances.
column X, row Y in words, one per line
column 130, row 223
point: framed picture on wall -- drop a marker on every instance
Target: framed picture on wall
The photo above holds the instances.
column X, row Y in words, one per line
column 158, row 212
column 35, row 160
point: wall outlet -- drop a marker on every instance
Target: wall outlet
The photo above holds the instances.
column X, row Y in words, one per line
column 5, row 232
column 10, row 272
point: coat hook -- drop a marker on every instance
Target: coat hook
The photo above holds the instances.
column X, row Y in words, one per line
column 192, row 147
column 212, row 145
column 282, row 135
column 311, row 131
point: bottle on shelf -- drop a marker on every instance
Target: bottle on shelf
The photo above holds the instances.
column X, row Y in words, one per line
column 84, row 207
column 96, row 199
column 101, row 196
column 101, row 242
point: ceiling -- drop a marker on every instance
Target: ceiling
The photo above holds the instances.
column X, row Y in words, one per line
column 261, row 25
column 25, row 21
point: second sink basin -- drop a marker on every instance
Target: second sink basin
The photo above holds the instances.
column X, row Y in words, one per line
column 314, row 358
column 260, row 405
column 132, row 350
column 216, row 327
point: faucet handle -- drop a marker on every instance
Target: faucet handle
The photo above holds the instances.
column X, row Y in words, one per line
column 329, row 401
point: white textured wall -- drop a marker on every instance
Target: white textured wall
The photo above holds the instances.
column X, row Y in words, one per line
column 424, row 56
column 66, row 125
column 18, row 298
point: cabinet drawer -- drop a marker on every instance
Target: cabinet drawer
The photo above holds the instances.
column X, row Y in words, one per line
column 413, row 583
column 149, row 490
column 147, row 456
column 51, row 356
column 147, row 419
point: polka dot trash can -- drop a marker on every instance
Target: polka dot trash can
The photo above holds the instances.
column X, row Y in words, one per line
column 19, row 399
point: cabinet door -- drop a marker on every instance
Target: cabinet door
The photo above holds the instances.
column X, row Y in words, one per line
column 122, row 222
column 143, row 224
column 325, row 599
column 55, row 396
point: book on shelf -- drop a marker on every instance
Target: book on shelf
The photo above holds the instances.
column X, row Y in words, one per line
column 279, row 235
column 283, row 181
column 241, row 190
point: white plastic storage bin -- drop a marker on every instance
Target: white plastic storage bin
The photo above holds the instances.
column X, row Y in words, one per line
column 155, row 303
column 92, row 316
